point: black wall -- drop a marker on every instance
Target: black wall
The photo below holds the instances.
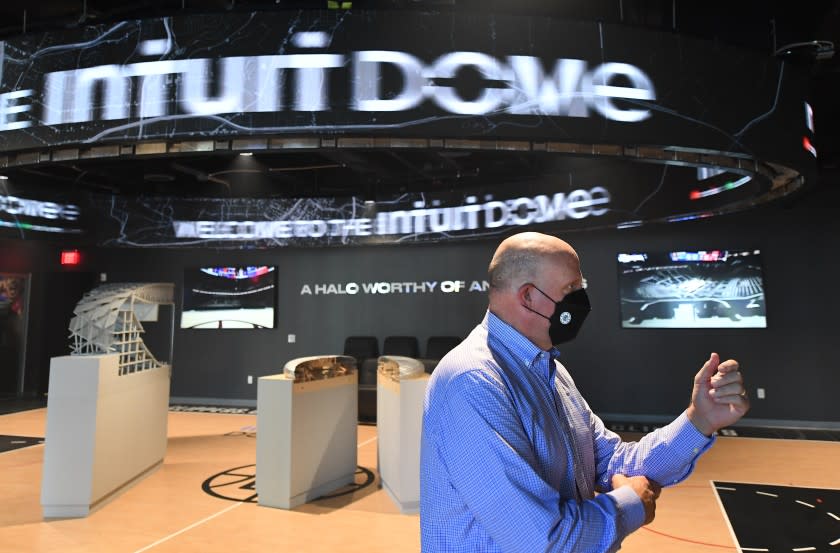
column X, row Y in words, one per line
column 216, row 363
column 53, row 293
column 620, row 371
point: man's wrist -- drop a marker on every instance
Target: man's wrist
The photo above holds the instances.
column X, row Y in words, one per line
column 631, row 510
column 699, row 423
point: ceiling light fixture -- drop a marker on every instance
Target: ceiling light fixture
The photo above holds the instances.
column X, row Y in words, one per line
column 246, row 153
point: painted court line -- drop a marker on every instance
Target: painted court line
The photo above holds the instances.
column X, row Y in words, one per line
column 724, row 488
column 835, row 517
column 366, row 442
column 806, row 504
column 19, row 449
column 835, row 542
column 754, row 549
column 190, row 527
column 211, row 517
column 767, row 494
column 804, row 548
column 726, row 518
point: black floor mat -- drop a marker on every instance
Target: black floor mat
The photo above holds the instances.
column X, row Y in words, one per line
column 781, row 518
column 740, row 431
column 10, row 443
column 14, row 405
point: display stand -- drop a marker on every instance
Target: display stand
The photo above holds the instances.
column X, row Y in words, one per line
column 306, row 434
column 399, row 425
column 105, row 430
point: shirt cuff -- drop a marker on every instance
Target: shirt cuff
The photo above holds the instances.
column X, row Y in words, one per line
column 691, row 440
column 631, row 510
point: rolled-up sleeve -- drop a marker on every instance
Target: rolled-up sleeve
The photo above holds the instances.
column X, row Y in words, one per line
column 667, row 455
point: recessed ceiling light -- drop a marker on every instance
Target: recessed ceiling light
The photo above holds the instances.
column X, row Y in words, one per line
column 246, row 153
column 4, row 177
column 158, row 177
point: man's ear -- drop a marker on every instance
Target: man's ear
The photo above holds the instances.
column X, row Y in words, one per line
column 524, row 294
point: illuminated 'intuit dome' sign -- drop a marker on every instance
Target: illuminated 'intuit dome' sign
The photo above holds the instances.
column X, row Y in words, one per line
column 606, row 97
column 169, row 81
column 258, row 84
column 402, row 74
column 415, row 223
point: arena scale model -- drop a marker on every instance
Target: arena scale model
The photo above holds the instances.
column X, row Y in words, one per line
column 108, row 320
column 107, row 403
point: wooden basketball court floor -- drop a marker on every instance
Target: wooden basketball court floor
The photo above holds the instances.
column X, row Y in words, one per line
column 169, row 512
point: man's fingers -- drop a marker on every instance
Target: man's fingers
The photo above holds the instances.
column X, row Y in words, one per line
column 734, row 389
column 638, row 483
column 723, row 379
column 727, row 385
column 709, row 368
column 737, row 400
column 730, row 365
column 619, row 480
column 655, row 488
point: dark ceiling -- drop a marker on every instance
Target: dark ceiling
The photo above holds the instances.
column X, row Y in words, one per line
column 313, row 173
column 766, row 26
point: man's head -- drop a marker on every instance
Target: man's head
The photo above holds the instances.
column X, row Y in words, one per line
column 527, row 272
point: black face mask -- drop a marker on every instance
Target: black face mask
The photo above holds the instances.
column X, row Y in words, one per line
column 568, row 315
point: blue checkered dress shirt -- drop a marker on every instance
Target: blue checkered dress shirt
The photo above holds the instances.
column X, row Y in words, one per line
column 512, row 455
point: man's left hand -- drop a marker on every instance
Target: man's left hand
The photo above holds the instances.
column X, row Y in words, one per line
column 719, row 398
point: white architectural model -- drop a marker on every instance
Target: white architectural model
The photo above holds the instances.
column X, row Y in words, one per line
column 307, row 443
column 400, row 389
column 108, row 321
column 108, row 401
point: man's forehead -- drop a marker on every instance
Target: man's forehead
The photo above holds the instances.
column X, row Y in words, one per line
column 564, row 274
column 563, row 261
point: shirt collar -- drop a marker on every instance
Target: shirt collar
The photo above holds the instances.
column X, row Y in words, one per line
column 522, row 349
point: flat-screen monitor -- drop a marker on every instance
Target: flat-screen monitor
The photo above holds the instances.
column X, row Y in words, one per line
column 692, row 289
column 229, row 297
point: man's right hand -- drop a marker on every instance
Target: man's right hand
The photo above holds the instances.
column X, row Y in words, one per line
column 647, row 490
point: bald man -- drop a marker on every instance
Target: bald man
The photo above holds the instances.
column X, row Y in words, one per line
column 512, row 455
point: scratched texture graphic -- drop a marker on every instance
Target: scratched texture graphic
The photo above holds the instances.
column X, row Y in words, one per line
column 342, row 73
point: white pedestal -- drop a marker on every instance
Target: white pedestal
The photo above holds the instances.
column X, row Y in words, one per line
column 306, row 438
column 399, row 424
column 104, row 431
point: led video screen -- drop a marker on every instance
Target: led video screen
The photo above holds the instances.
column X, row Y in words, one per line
column 229, row 297
column 699, row 289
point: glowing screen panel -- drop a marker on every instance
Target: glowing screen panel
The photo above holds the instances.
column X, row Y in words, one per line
column 692, row 289
column 229, row 297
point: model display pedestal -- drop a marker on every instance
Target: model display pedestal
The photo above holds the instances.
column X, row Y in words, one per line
column 104, row 431
column 306, row 434
column 399, row 424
